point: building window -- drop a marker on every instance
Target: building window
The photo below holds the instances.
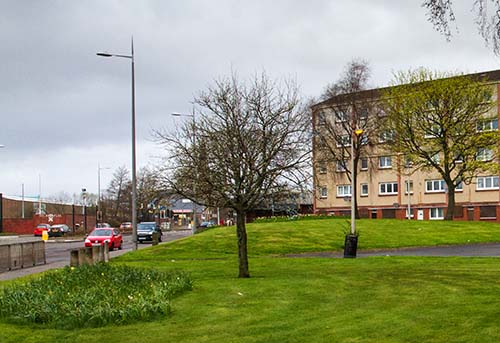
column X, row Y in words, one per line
column 364, row 139
column 321, row 118
column 341, row 116
column 435, row 186
column 323, row 192
column 411, row 213
column 322, row 168
column 388, row 188
column 459, row 158
column 340, row 166
column 384, row 162
column 488, row 212
column 487, row 125
column 487, row 182
column 436, row 158
column 436, row 213
column 364, row 189
column 386, row 136
column 409, row 186
column 344, row 190
column 408, row 162
column 364, row 163
column 343, row 141
column 484, row 154
column 459, row 187
column 363, row 114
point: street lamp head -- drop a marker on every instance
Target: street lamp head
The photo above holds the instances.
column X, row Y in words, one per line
column 175, row 114
column 104, row 54
column 2, row 146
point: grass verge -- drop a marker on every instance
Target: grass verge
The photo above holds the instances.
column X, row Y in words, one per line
column 372, row 300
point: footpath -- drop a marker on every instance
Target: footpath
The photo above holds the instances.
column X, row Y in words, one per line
column 13, row 274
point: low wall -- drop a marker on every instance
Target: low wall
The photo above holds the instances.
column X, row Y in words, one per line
column 16, row 255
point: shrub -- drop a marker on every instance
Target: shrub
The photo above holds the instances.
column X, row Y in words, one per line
column 91, row 296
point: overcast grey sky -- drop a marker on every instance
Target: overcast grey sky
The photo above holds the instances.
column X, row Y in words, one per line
column 64, row 110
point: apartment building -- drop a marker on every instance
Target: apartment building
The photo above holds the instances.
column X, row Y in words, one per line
column 387, row 186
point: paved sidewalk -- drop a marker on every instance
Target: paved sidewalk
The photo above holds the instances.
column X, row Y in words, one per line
column 466, row 250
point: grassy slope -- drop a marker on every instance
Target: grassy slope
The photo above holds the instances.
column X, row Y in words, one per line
column 383, row 299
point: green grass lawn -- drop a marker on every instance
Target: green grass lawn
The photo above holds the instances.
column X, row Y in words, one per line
column 378, row 299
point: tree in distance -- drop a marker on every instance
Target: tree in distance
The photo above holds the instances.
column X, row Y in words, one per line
column 441, row 15
column 342, row 119
column 443, row 123
column 250, row 140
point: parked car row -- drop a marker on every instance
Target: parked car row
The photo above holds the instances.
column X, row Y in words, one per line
column 105, row 234
column 56, row 230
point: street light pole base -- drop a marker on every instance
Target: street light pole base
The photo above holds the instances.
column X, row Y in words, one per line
column 350, row 246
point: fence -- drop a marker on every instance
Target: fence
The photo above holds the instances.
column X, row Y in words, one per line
column 16, row 255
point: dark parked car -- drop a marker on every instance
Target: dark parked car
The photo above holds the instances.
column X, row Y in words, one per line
column 206, row 224
column 59, row 229
column 145, row 231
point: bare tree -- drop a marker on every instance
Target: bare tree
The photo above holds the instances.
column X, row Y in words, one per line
column 441, row 15
column 252, row 139
column 444, row 123
column 149, row 192
column 119, row 193
column 345, row 118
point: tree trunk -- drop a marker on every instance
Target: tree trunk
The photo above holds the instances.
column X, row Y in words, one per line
column 241, row 233
column 451, row 203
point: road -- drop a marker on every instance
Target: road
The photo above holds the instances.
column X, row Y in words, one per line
column 58, row 252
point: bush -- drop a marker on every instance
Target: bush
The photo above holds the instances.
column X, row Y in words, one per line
column 92, row 296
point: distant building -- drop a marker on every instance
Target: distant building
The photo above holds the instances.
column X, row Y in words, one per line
column 384, row 190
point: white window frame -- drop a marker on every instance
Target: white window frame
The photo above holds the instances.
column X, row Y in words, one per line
column 487, row 125
column 322, row 168
column 341, row 116
column 361, row 165
column 436, row 158
column 436, row 186
column 361, row 192
column 323, row 192
column 484, row 154
column 388, row 188
column 482, row 183
column 410, row 182
column 342, row 142
column 385, row 162
column 386, row 136
column 436, row 213
column 341, row 166
column 344, row 191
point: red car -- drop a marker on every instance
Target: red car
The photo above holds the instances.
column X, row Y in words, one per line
column 40, row 228
column 101, row 236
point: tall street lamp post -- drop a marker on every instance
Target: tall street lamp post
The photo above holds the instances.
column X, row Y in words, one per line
column 194, row 147
column 134, row 179
column 99, row 168
column 351, row 240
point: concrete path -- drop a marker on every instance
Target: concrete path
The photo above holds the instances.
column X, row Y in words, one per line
column 469, row 250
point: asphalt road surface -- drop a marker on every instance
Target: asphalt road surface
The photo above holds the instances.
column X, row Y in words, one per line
column 57, row 253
